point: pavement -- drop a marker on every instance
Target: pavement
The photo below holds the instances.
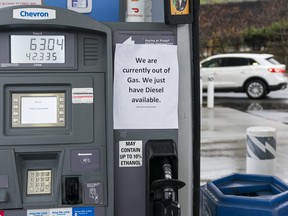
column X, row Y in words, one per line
column 223, row 142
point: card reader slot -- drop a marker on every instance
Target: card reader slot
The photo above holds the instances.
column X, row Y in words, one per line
column 72, row 190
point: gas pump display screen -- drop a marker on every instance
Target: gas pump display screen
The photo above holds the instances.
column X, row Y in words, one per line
column 38, row 110
column 37, row 49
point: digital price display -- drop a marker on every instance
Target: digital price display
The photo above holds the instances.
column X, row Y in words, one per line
column 37, row 49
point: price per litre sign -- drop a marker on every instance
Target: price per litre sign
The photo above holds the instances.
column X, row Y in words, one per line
column 37, row 49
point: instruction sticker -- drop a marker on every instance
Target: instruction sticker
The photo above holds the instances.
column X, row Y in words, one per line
column 61, row 212
column 82, row 95
column 85, row 211
column 38, row 212
column 130, row 153
column 79, row 211
column 94, row 193
column 8, row 3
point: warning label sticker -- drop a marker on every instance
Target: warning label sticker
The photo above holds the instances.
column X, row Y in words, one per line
column 82, row 95
column 130, row 153
column 1, row 213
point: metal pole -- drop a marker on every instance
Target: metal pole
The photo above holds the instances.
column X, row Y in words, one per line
column 196, row 110
column 210, row 91
column 201, row 91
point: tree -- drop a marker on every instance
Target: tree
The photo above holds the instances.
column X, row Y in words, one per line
column 260, row 25
column 222, row 25
column 255, row 38
column 272, row 23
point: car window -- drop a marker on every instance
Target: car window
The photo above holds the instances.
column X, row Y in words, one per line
column 228, row 62
column 252, row 62
column 216, row 62
column 273, row 61
column 234, row 61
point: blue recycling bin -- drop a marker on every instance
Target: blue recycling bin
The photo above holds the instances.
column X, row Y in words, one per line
column 244, row 195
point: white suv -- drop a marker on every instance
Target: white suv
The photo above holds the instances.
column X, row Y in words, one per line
column 255, row 74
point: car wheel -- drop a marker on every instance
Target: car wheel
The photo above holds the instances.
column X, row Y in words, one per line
column 256, row 89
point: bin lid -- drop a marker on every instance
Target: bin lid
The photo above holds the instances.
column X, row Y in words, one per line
column 248, row 186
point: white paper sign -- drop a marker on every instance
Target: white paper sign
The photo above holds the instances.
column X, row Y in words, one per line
column 146, row 87
column 8, row 3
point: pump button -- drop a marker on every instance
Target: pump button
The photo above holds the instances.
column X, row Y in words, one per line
column 3, row 196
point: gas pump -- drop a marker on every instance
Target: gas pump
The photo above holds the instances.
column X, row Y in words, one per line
column 159, row 183
column 169, row 172
column 56, row 113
